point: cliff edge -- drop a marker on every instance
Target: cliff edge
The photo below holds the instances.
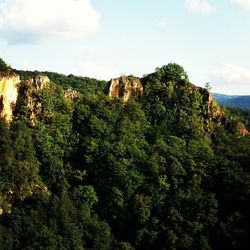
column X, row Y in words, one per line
column 125, row 87
column 9, row 82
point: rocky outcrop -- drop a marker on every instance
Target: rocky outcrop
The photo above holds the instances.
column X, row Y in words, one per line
column 71, row 94
column 9, row 82
column 211, row 112
column 125, row 87
column 40, row 82
column 243, row 130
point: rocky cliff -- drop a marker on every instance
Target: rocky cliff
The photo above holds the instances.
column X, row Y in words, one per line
column 211, row 111
column 125, row 87
column 9, row 84
column 243, row 130
column 39, row 82
column 8, row 93
column 35, row 84
column 71, row 94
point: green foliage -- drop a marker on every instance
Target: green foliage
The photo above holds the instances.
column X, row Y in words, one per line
column 25, row 165
column 6, row 158
column 171, row 72
column 100, row 173
column 84, row 85
column 239, row 114
column 3, row 65
column 208, row 86
column 170, row 103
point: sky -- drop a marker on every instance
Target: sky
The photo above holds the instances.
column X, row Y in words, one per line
column 108, row 38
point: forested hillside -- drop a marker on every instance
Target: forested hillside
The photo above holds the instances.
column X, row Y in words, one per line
column 167, row 169
column 240, row 101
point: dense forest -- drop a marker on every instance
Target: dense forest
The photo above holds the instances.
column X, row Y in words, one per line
column 168, row 169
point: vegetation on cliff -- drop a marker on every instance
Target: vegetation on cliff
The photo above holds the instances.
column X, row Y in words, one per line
column 167, row 169
column 3, row 65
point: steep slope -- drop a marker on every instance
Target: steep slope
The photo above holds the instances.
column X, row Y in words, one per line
column 178, row 98
column 16, row 91
column 156, row 164
column 33, row 86
column 9, row 82
column 172, row 87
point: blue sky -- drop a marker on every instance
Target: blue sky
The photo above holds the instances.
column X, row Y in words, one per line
column 107, row 38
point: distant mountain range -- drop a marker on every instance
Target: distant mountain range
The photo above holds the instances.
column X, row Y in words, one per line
column 241, row 101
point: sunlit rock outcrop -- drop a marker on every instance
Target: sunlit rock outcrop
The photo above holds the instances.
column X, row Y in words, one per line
column 125, row 87
column 8, row 93
column 243, row 130
column 210, row 109
column 71, row 94
column 40, row 82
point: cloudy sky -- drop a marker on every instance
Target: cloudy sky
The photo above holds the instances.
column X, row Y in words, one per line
column 107, row 38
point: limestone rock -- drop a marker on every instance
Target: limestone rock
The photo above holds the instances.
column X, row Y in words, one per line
column 71, row 94
column 8, row 93
column 243, row 130
column 40, row 82
column 211, row 110
column 125, row 87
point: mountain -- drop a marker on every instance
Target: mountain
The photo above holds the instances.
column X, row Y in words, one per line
column 241, row 101
column 131, row 163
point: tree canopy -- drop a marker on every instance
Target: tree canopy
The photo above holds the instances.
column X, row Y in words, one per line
column 155, row 172
column 3, row 65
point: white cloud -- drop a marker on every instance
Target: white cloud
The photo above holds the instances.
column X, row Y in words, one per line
column 244, row 4
column 32, row 20
column 233, row 74
column 83, row 48
column 163, row 24
column 200, row 6
column 91, row 69
column 232, row 79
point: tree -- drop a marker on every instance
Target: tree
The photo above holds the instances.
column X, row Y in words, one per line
column 172, row 72
column 99, row 173
column 25, row 171
column 6, row 160
column 208, row 86
column 3, row 65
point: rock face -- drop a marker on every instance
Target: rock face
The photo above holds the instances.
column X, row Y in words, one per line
column 71, row 94
column 125, row 87
column 243, row 130
column 8, row 93
column 9, row 82
column 39, row 82
column 211, row 111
